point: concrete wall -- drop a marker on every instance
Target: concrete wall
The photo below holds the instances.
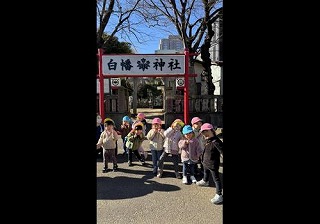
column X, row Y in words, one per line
column 116, row 105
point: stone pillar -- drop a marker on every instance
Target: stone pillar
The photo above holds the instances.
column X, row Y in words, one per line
column 135, row 95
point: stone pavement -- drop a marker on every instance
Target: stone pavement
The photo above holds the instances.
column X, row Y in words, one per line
column 134, row 195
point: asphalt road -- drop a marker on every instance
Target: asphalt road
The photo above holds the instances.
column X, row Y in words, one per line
column 134, row 195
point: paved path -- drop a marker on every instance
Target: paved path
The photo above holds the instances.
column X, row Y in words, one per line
column 133, row 195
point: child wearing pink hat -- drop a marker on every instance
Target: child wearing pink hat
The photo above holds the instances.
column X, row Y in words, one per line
column 196, row 123
column 156, row 137
column 213, row 148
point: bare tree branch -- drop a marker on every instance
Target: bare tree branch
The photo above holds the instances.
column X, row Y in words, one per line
column 104, row 19
column 193, row 22
column 114, row 9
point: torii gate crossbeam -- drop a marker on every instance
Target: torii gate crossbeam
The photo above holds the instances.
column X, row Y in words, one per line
column 186, row 76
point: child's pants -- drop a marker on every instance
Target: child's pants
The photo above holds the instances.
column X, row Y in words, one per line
column 109, row 155
column 188, row 166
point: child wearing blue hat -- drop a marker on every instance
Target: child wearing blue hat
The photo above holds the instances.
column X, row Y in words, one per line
column 191, row 150
column 125, row 129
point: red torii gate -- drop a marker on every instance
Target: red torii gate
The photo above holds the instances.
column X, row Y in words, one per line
column 186, row 75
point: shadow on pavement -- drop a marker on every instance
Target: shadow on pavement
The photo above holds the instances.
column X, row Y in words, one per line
column 127, row 187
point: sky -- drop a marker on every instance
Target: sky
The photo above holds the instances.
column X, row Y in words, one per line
column 150, row 36
column 151, row 43
column 149, row 48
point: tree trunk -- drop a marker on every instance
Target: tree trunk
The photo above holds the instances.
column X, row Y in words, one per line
column 205, row 56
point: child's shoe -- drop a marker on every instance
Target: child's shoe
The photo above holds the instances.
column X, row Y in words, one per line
column 184, row 180
column 203, row 183
column 217, row 199
column 193, row 179
column 105, row 170
column 160, row 172
column 115, row 168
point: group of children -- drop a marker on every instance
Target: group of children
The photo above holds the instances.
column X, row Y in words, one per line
column 130, row 134
column 195, row 144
